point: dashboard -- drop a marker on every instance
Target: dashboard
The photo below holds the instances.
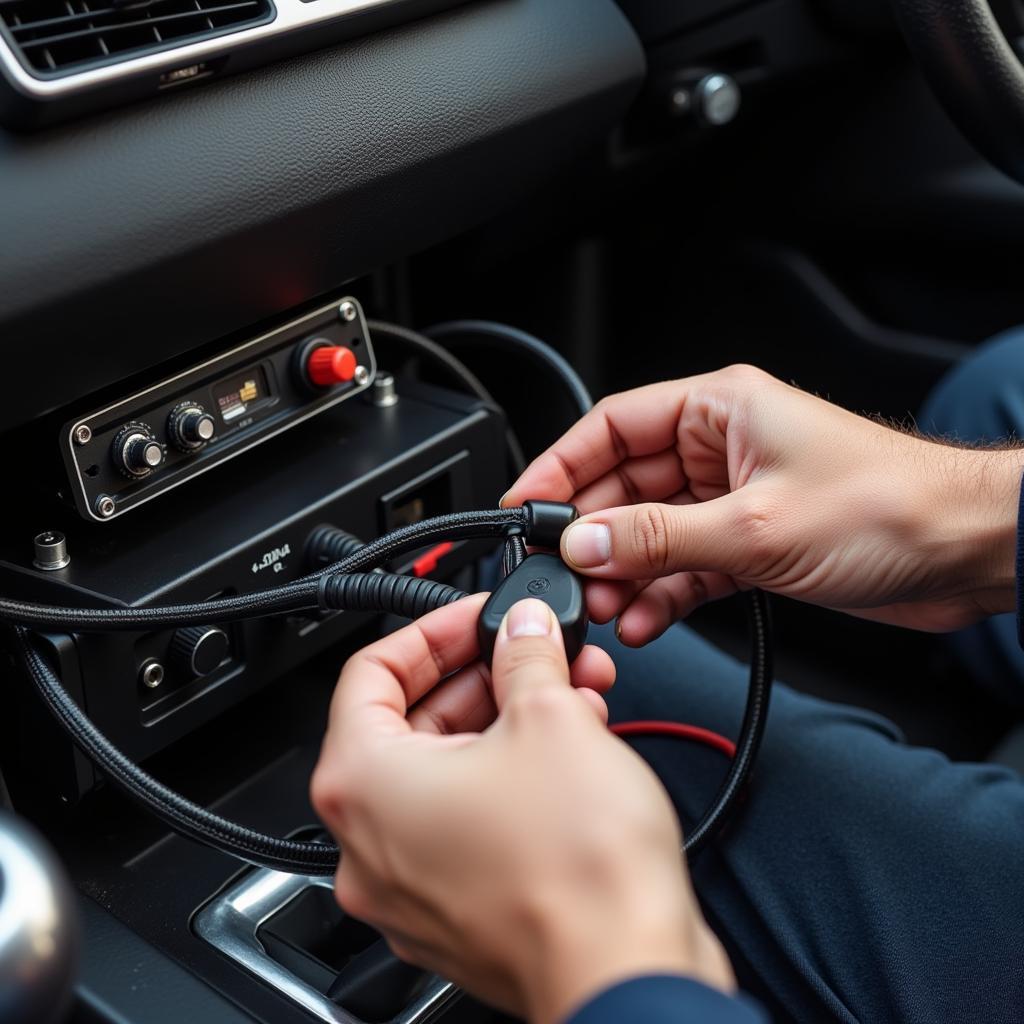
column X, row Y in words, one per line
column 138, row 234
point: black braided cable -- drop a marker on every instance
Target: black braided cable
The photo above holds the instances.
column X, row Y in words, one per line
column 172, row 808
column 407, row 596
column 755, row 718
column 292, row 597
column 400, row 595
column 383, row 592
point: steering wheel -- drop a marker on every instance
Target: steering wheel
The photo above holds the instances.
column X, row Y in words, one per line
column 966, row 50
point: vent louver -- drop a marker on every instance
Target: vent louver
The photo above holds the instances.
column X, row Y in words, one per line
column 63, row 36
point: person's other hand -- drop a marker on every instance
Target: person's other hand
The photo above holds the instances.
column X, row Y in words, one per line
column 498, row 834
column 699, row 486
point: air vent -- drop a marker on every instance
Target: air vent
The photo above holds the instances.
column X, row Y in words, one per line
column 55, row 37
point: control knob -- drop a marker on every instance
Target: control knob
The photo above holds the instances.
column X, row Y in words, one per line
column 190, row 427
column 136, row 451
column 199, row 650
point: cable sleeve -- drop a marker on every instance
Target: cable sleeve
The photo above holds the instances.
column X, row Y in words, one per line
column 456, row 368
column 755, row 718
column 401, row 595
column 174, row 810
column 292, row 597
column 512, row 338
column 407, row 596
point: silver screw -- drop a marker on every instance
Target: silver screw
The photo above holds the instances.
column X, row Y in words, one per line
column 151, row 675
column 361, row 376
column 347, row 311
column 51, row 549
column 384, row 393
column 105, row 506
column 82, row 434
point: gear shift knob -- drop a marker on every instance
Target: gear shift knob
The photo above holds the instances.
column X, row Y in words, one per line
column 38, row 928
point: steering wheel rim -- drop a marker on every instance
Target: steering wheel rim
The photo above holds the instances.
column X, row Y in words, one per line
column 973, row 70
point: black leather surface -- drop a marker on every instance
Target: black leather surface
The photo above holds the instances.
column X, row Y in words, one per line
column 130, row 237
column 124, row 980
column 974, row 72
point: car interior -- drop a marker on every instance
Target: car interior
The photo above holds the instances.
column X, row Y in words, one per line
column 280, row 277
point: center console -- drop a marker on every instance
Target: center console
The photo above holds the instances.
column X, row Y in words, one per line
column 220, row 479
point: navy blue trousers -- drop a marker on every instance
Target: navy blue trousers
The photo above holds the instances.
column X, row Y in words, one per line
column 865, row 880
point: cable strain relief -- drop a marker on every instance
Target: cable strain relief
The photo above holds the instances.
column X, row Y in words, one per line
column 324, row 590
column 546, row 521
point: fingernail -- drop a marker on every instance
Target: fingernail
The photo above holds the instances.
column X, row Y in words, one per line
column 501, row 503
column 528, row 618
column 588, row 545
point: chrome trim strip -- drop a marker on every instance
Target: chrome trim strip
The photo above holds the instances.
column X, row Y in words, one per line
column 229, row 923
column 291, row 15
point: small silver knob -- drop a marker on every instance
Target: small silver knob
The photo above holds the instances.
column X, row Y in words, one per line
column 190, row 427
column 717, row 98
column 136, row 451
column 51, row 550
column 384, row 392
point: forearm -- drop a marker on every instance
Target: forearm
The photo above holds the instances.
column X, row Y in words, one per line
column 972, row 505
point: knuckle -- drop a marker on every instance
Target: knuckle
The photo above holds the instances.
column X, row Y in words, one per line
column 545, row 703
column 744, row 373
column 352, row 897
column 333, row 790
column 323, row 793
column 651, row 536
column 759, row 533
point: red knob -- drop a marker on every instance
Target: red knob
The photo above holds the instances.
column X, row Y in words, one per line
column 330, row 364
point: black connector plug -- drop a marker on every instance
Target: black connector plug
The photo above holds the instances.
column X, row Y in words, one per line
column 549, row 579
column 546, row 521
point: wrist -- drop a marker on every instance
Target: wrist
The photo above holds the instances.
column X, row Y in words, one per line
column 582, row 956
column 979, row 500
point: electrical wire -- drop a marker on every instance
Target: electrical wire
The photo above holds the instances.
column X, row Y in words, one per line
column 300, row 595
column 348, row 583
column 676, row 730
column 513, row 339
column 368, row 591
column 455, row 369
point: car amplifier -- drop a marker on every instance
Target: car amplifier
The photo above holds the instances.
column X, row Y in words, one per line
column 365, row 466
column 128, row 453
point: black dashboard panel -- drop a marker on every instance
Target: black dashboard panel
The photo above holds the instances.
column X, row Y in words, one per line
column 656, row 19
column 134, row 236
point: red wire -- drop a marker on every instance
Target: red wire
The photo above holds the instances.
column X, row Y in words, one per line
column 679, row 730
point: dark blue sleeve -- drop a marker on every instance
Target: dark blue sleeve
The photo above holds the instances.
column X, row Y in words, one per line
column 1020, row 567
column 666, row 999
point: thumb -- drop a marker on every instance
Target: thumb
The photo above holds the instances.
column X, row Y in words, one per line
column 528, row 653
column 638, row 542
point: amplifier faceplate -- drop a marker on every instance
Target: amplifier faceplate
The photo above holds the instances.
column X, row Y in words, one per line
column 128, row 453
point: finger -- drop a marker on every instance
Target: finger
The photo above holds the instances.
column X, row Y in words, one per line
column 593, row 669
column 380, row 682
column 667, row 601
column 464, row 702
column 632, row 424
column 648, row 478
column 596, row 703
column 643, row 541
column 528, row 652
column 607, row 598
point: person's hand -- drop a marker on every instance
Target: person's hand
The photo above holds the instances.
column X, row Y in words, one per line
column 500, row 835
column 733, row 479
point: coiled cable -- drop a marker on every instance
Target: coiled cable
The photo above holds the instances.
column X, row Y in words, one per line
column 339, row 587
